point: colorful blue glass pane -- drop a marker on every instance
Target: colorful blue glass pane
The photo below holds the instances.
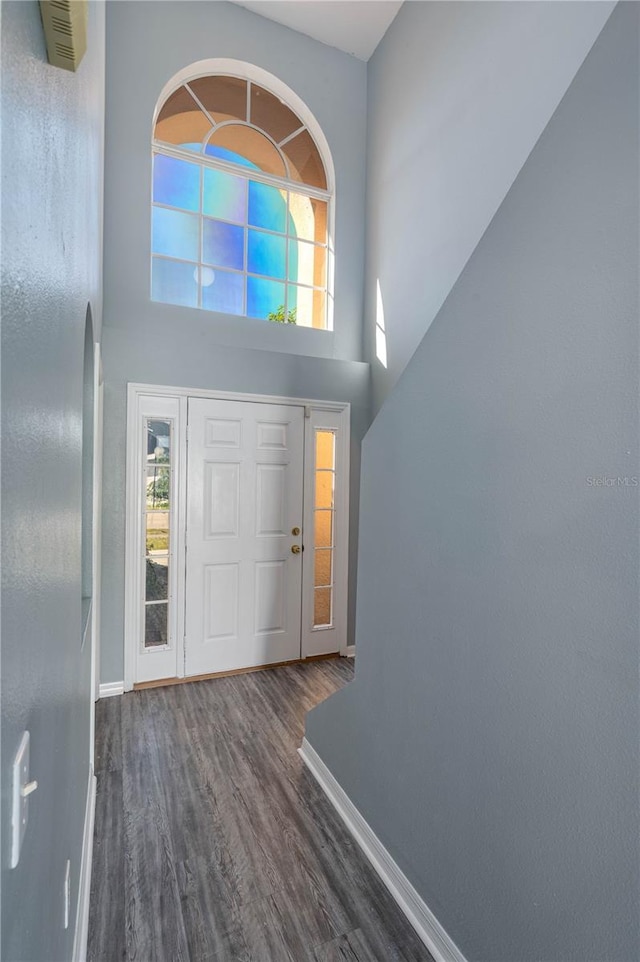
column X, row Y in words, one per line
column 176, row 182
column 223, row 244
column 175, row 234
column 263, row 297
column 225, row 196
column 266, row 254
column 267, row 207
column 174, row 282
column 222, row 291
column 223, row 154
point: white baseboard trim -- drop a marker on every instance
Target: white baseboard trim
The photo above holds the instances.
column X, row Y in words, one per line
column 441, row 946
column 84, row 889
column 110, row 688
column 349, row 651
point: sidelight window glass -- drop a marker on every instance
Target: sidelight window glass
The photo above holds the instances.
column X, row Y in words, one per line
column 324, row 528
column 157, row 516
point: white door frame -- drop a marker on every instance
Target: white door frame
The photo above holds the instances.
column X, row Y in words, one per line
column 338, row 415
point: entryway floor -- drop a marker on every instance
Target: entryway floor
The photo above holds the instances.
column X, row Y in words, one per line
column 214, row 844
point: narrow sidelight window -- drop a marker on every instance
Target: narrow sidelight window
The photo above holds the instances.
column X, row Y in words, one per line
column 157, row 502
column 324, row 527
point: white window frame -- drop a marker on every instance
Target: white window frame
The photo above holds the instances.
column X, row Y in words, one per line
column 323, row 639
column 162, row 401
column 146, row 664
column 253, row 74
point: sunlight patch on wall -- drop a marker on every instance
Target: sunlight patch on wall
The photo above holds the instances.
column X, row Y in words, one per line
column 381, row 335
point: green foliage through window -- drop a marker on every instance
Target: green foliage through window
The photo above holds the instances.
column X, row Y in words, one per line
column 280, row 316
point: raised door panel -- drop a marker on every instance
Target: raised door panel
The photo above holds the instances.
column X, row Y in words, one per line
column 270, row 499
column 221, row 500
column 223, row 433
column 221, row 602
column 270, row 609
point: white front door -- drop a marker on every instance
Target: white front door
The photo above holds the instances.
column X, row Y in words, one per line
column 244, row 516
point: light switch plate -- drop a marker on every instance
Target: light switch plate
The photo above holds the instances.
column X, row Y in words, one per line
column 20, row 809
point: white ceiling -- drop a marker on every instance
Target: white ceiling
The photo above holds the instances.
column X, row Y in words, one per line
column 354, row 26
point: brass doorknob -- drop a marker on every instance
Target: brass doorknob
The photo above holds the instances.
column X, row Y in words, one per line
column 295, row 532
column 295, row 549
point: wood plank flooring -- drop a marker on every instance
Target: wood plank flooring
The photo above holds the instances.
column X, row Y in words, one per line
column 214, row 844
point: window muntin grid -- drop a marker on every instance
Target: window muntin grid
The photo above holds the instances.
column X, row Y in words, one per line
column 236, row 230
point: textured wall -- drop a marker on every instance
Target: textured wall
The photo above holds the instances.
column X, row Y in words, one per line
column 147, row 44
column 458, row 94
column 493, row 722
column 52, row 130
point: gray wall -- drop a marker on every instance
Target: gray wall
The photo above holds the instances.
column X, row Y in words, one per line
column 52, row 131
column 198, row 361
column 458, row 95
column 493, row 724
column 147, row 44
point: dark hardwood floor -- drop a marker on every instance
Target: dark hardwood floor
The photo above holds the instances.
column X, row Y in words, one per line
column 214, row 844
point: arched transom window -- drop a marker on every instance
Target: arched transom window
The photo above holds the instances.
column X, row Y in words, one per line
column 241, row 204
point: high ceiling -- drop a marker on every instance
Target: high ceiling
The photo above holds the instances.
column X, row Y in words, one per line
column 354, row 26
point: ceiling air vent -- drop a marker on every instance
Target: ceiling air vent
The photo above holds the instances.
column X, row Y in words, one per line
column 65, row 29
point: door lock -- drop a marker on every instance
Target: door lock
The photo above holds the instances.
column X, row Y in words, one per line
column 295, row 532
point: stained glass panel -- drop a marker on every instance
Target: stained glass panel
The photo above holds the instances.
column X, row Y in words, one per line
column 225, row 292
column 222, row 153
column 267, row 207
column 206, row 211
column 266, row 254
column 263, row 297
column 175, row 234
column 173, row 282
column 224, row 196
column 250, row 144
column 176, row 182
column 222, row 244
